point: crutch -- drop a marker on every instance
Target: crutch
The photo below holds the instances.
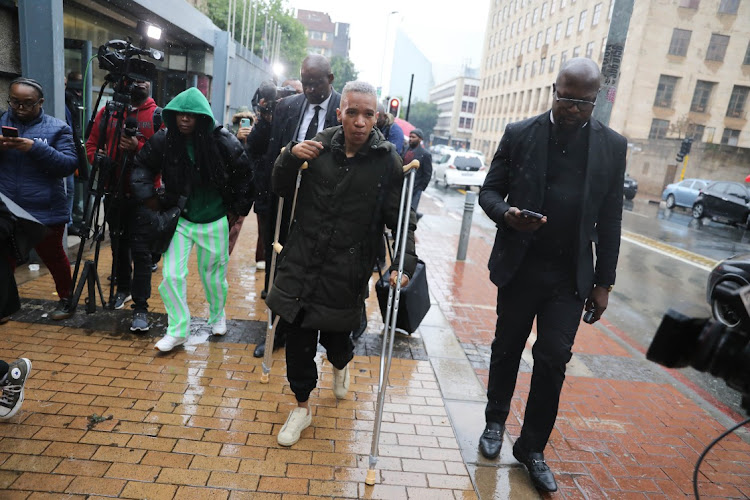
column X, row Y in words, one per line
column 389, row 325
column 276, row 249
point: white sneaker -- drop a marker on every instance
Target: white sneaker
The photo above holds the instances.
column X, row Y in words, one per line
column 340, row 382
column 299, row 419
column 220, row 327
column 11, row 390
column 260, row 266
column 169, row 342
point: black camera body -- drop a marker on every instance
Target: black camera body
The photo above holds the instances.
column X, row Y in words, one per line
column 708, row 345
column 272, row 94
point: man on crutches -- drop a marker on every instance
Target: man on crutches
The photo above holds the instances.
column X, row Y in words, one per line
column 352, row 185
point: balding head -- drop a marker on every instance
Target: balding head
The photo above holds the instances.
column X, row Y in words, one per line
column 316, row 78
column 575, row 91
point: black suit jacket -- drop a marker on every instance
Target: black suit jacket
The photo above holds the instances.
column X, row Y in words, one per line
column 517, row 177
column 287, row 117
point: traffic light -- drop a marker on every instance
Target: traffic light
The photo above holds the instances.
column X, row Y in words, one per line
column 394, row 104
column 684, row 149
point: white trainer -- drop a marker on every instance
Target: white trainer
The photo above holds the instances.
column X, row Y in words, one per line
column 340, row 382
column 220, row 327
column 299, row 419
column 169, row 342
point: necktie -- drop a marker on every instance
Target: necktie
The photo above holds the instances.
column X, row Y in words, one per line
column 312, row 129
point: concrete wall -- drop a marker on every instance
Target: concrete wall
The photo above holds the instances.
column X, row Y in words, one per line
column 10, row 56
column 648, row 163
column 246, row 72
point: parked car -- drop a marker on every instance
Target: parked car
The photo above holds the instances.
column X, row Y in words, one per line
column 630, row 188
column 723, row 201
column 728, row 275
column 459, row 168
column 441, row 149
column 683, row 193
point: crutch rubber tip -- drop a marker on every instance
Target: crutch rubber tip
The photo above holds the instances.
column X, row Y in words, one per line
column 264, row 378
column 371, row 477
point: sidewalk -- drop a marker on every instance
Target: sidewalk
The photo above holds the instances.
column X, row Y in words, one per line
column 197, row 423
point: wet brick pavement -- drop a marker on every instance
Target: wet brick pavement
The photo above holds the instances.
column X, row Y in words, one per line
column 196, row 423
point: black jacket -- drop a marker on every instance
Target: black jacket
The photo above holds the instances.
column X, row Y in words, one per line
column 518, row 172
column 256, row 146
column 237, row 189
column 327, row 260
column 424, row 172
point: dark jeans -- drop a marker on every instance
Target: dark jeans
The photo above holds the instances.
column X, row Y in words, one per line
column 301, row 347
column 546, row 292
column 3, row 369
column 416, row 195
column 52, row 253
column 134, row 260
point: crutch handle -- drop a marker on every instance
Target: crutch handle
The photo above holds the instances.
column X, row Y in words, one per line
column 303, row 166
column 411, row 165
column 277, row 247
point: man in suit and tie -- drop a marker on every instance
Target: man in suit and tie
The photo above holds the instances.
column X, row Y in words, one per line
column 298, row 118
column 569, row 169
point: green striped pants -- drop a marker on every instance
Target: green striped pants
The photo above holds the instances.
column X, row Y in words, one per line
column 212, row 241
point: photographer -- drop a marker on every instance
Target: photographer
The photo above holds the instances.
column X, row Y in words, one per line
column 133, row 242
column 33, row 168
column 207, row 174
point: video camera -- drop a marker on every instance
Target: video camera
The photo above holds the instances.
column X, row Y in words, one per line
column 708, row 345
column 272, row 94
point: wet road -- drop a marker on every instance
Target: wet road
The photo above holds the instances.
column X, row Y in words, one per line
column 665, row 259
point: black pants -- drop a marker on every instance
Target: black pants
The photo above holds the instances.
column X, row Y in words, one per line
column 301, row 347
column 545, row 291
column 9, row 300
column 134, row 259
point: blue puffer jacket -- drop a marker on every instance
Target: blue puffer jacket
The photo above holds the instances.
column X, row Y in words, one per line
column 36, row 179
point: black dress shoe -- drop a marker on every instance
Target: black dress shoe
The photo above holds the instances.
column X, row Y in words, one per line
column 492, row 440
column 279, row 341
column 539, row 472
column 260, row 350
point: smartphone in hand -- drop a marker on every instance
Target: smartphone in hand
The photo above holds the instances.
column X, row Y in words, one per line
column 531, row 215
column 10, row 131
column 245, row 122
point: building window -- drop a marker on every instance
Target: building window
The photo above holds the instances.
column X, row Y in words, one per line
column 535, row 17
column 563, row 57
column 569, row 27
column 690, row 4
column 604, row 47
column 695, row 132
column 730, row 137
column 717, row 47
column 533, row 69
column 576, row 51
column 539, row 39
column 523, row 45
column 680, row 41
column 747, row 55
column 658, row 129
column 737, row 100
column 552, row 61
column 590, row 50
column 558, row 31
column 611, row 9
column 665, row 91
column 530, row 45
column 528, row 20
column 701, row 96
column 729, row 6
column 582, row 20
column 544, row 10
column 541, row 65
column 552, row 6
column 548, row 38
column 596, row 15
column 562, row 4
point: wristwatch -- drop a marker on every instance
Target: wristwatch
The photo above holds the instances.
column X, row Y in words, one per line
column 609, row 288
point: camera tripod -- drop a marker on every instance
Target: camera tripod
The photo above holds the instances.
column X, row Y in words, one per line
column 105, row 187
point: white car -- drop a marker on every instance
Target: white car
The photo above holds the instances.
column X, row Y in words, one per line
column 459, row 168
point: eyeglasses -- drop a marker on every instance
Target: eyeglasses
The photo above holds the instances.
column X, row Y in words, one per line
column 25, row 105
column 569, row 103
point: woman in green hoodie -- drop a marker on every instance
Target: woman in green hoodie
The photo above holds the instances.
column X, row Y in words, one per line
column 206, row 165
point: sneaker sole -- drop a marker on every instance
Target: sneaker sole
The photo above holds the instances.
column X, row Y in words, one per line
column 170, row 349
column 137, row 329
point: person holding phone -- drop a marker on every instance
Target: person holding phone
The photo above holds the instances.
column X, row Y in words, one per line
column 37, row 153
column 554, row 189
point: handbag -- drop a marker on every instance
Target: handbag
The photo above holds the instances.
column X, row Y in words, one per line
column 164, row 225
column 414, row 301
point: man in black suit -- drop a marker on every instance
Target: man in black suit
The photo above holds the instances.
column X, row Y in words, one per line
column 297, row 118
column 569, row 169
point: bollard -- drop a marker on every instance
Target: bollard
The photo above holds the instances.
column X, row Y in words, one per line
column 463, row 239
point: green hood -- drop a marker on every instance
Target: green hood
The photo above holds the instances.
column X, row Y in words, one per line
column 191, row 100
